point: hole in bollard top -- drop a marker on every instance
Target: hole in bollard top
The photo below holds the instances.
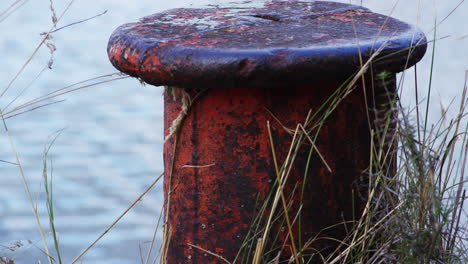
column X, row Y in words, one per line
column 261, row 44
column 269, row 17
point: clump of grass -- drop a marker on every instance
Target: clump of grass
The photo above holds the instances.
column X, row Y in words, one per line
column 414, row 215
column 414, row 206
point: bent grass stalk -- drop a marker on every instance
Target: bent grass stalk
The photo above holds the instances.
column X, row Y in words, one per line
column 118, row 218
column 26, row 188
column 33, row 54
column 59, row 92
column 11, row 9
column 280, row 181
column 34, row 105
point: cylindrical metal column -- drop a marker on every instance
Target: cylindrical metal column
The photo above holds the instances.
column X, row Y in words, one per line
column 258, row 63
column 224, row 170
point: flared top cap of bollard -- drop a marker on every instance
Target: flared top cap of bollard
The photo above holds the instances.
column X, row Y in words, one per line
column 261, row 43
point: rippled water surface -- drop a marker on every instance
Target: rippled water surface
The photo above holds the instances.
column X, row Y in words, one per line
column 110, row 148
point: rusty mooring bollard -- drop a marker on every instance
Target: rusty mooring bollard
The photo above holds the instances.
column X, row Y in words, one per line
column 258, row 62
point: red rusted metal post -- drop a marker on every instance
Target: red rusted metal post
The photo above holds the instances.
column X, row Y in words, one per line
column 271, row 61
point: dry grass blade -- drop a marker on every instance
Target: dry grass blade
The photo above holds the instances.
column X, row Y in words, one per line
column 315, row 148
column 167, row 236
column 209, row 252
column 152, row 243
column 5, row 109
column 369, row 199
column 118, row 219
column 283, row 199
column 360, row 73
column 9, row 162
column 11, row 9
column 175, row 129
column 42, row 42
column 448, row 15
column 258, row 252
column 199, row 166
column 78, row 22
column 460, row 195
column 32, row 109
column 288, row 130
column 360, row 240
column 59, row 92
column 65, row 90
column 26, row 187
column 166, row 227
column 283, row 177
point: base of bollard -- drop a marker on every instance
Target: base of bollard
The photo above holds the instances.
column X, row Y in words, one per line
column 221, row 174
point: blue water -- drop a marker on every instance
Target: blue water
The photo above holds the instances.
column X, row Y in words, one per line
column 111, row 147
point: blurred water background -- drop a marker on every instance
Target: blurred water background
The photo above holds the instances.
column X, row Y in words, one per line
column 111, row 147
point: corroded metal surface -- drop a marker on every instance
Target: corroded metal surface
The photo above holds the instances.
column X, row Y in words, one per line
column 260, row 43
column 224, row 170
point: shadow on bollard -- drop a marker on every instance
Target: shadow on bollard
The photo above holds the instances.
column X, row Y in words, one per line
column 246, row 74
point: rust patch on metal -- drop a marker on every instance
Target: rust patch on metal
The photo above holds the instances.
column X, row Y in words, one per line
column 212, row 207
